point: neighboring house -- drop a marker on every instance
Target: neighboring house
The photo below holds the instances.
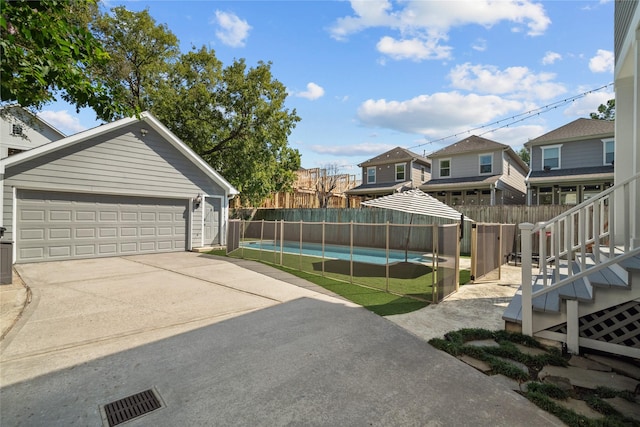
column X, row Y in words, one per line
column 396, row 170
column 477, row 171
column 127, row 187
column 20, row 130
column 572, row 163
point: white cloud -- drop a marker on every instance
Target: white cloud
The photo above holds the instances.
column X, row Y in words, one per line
column 363, row 149
column 422, row 25
column 414, row 49
column 518, row 82
column 480, row 45
column 62, row 120
column 232, row 30
column 551, row 57
column 603, row 62
column 516, row 136
column 313, row 92
column 588, row 104
column 435, row 114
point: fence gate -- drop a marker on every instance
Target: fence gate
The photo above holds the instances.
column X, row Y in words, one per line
column 490, row 245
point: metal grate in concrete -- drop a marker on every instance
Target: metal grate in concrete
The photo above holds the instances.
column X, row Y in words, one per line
column 130, row 407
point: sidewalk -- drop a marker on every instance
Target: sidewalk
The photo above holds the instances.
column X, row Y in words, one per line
column 13, row 298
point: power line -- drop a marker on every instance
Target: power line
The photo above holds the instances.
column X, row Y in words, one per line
column 516, row 118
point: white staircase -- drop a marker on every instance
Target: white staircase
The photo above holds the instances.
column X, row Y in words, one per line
column 586, row 292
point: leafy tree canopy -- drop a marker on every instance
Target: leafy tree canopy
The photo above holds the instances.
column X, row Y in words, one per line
column 605, row 112
column 46, row 49
column 524, row 155
column 233, row 116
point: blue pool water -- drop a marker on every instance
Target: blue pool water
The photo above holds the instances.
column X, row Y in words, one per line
column 360, row 254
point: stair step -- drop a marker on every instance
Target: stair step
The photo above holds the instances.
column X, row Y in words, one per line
column 513, row 312
column 549, row 302
column 632, row 263
column 605, row 278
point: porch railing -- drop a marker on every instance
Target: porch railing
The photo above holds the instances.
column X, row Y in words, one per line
column 567, row 238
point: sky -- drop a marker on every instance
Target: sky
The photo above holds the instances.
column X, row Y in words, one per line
column 368, row 76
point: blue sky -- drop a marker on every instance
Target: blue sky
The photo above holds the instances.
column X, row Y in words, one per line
column 367, row 76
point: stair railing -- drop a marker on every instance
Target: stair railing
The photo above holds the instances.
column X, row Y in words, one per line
column 587, row 227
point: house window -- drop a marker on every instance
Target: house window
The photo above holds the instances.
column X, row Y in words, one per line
column 445, row 168
column 400, row 171
column 421, row 174
column 609, row 151
column 486, row 161
column 16, row 130
column 551, row 157
column 569, row 195
column 371, row 175
column 545, row 196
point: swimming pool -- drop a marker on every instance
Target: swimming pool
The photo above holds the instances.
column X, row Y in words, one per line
column 360, row 254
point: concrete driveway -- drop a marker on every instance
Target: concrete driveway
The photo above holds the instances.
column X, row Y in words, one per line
column 223, row 344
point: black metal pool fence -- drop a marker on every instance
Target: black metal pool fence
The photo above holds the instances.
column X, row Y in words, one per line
column 415, row 260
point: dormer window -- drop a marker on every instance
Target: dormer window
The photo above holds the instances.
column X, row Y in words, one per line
column 486, row 164
column 400, row 171
column 371, row 175
column 551, row 157
column 609, row 151
column 16, row 130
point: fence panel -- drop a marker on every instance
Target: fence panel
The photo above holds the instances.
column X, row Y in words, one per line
column 447, row 261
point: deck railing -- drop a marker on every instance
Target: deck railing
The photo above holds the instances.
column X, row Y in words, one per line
column 567, row 238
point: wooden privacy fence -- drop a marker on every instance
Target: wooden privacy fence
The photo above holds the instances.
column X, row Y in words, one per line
column 482, row 214
column 415, row 260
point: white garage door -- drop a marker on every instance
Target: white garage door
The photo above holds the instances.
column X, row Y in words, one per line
column 57, row 226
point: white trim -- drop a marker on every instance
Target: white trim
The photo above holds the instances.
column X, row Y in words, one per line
column 550, row 147
column 395, row 171
column 480, row 156
column 375, row 172
column 145, row 117
column 604, row 149
column 14, row 223
column 440, row 167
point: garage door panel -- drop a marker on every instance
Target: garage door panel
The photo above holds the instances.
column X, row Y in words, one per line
column 54, row 226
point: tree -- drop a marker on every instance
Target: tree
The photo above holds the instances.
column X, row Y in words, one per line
column 234, row 117
column 524, row 155
column 605, row 112
column 46, row 49
column 140, row 53
column 327, row 183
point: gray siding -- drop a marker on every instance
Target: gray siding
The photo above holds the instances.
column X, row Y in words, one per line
column 119, row 162
column 513, row 175
column 575, row 154
column 468, row 165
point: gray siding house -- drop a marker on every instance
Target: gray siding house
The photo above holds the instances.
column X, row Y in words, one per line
column 393, row 171
column 128, row 187
column 477, row 171
column 20, row 130
column 571, row 163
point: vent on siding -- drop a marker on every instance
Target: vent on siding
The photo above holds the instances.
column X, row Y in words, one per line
column 130, row 407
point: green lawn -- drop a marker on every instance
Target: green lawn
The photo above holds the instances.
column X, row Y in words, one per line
column 368, row 290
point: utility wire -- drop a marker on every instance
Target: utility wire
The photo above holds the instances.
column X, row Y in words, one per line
column 516, row 118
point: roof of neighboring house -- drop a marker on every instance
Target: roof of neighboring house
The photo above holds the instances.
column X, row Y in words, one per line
column 32, row 116
column 469, row 182
column 574, row 174
column 576, row 130
column 395, row 155
column 469, row 145
column 145, row 117
column 417, row 202
column 382, row 188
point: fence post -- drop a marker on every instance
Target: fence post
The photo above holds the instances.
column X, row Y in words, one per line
column 387, row 263
column 351, row 252
column 323, row 223
column 527, row 308
column 300, row 258
column 474, row 251
column 261, row 236
column 275, row 240
column 435, row 228
column 281, row 240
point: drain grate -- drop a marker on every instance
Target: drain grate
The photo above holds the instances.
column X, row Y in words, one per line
column 130, row 407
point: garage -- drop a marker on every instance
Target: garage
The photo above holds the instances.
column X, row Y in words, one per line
column 125, row 188
column 58, row 226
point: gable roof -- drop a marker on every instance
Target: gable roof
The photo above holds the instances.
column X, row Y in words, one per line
column 578, row 129
column 471, row 144
column 32, row 116
column 145, row 117
column 395, row 155
column 417, row 202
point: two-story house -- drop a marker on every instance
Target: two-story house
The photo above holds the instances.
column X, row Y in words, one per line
column 20, row 130
column 396, row 170
column 571, row 163
column 477, row 171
